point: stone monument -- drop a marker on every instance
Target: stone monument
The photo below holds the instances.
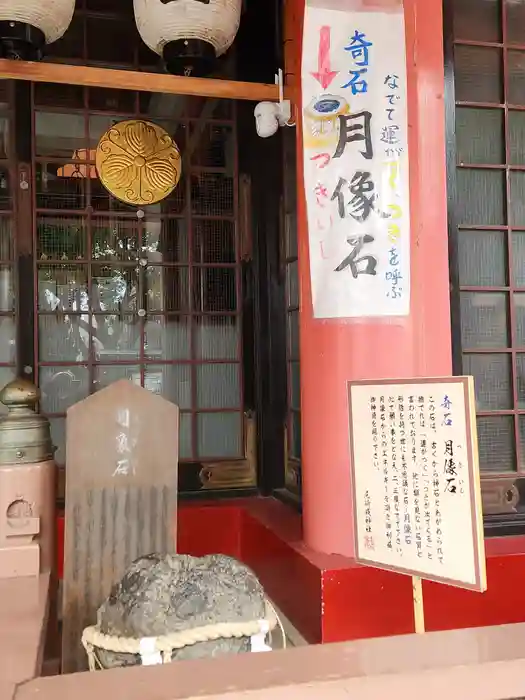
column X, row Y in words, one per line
column 121, row 498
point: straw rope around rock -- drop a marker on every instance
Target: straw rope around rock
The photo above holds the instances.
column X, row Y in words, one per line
column 93, row 638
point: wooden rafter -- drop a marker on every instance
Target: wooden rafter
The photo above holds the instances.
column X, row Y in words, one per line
column 134, row 80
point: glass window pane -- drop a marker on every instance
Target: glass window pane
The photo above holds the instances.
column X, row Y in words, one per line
column 295, row 385
column 62, row 288
column 107, row 100
column 290, row 229
column 6, row 238
column 482, row 258
column 57, row 95
column 7, row 340
column 520, row 379
column 480, row 197
column 487, row 23
column 213, row 242
column 6, row 202
column 167, row 338
column 293, row 335
column 484, row 320
column 517, row 137
column 58, row 438
column 492, row 380
column 60, row 135
column 216, row 146
column 515, row 10
column 61, row 238
column 62, row 387
column 71, row 45
column 99, row 124
column 215, row 289
column 518, row 258
column 522, row 461
column 185, row 432
column 292, row 283
column 519, row 313
column 479, row 75
column 167, row 289
column 496, row 443
column 219, row 435
column 108, row 41
column 7, row 374
column 212, row 194
column 480, row 136
column 7, row 292
column 197, row 107
column 517, row 199
column 61, row 185
column 104, row 375
column 218, row 386
column 296, row 434
column 114, row 288
column 516, row 77
column 217, row 338
column 116, row 337
column 173, row 382
column 114, row 239
column 165, row 240
column 118, row 7
column 63, row 338
column 5, row 140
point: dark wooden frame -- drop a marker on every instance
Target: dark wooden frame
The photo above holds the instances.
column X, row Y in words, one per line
column 260, row 165
column 500, row 524
column 263, row 313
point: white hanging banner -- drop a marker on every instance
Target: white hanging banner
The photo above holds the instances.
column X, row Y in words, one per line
column 356, row 162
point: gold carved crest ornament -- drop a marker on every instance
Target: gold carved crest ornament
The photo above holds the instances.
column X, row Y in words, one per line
column 138, row 162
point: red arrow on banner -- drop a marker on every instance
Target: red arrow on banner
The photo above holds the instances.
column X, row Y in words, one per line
column 324, row 75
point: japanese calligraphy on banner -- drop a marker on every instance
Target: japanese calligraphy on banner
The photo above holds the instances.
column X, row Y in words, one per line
column 356, row 162
column 417, row 498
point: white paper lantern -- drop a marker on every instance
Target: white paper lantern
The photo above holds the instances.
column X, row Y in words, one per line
column 188, row 34
column 27, row 25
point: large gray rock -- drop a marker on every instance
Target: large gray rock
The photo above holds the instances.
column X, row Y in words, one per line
column 170, row 593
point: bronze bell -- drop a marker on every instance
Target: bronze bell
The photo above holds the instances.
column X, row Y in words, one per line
column 25, row 437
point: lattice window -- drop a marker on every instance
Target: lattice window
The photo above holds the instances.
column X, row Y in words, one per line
column 99, row 264
column 489, row 70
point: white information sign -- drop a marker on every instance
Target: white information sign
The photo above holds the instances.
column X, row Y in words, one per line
column 354, row 87
column 417, row 498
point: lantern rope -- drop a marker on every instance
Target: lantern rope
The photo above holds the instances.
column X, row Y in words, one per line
column 93, row 638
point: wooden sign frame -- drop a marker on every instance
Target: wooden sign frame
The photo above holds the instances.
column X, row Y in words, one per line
column 467, row 383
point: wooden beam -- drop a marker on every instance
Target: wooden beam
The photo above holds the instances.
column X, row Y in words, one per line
column 134, row 80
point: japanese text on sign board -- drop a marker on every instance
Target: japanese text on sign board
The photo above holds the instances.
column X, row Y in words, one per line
column 414, row 479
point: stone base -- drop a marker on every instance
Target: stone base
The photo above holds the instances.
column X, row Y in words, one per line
column 20, row 561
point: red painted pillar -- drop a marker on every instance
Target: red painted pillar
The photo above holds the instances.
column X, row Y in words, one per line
column 332, row 352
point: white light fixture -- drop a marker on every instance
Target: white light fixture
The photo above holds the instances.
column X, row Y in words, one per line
column 26, row 26
column 189, row 34
column 269, row 116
